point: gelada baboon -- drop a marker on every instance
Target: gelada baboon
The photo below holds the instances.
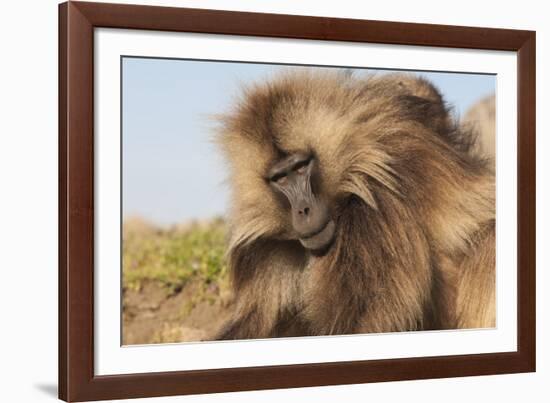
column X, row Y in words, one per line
column 481, row 118
column 357, row 207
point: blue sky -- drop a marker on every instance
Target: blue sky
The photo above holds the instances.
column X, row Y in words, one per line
column 171, row 171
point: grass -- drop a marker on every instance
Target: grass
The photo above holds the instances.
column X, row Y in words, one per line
column 174, row 256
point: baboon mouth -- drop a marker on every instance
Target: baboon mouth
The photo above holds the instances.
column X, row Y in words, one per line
column 320, row 239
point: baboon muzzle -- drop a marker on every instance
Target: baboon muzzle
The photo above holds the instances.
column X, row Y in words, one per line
column 294, row 177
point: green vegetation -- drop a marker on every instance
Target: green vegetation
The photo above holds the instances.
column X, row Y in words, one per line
column 172, row 257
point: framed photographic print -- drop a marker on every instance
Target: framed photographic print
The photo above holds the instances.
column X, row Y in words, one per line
column 253, row 201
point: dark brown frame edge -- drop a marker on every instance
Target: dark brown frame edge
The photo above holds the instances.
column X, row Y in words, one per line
column 77, row 381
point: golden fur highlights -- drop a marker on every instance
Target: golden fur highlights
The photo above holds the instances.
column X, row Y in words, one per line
column 414, row 210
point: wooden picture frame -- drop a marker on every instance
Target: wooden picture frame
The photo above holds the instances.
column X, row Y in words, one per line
column 77, row 381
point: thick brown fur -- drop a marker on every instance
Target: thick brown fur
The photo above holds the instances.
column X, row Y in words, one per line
column 414, row 210
column 481, row 118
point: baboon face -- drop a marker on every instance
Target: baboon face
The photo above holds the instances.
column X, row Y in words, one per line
column 295, row 178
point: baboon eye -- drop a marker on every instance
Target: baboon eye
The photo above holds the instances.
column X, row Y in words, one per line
column 279, row 178
column 301, row 167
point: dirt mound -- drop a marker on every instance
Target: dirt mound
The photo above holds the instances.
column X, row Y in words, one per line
column 175, row 281
column 155, row 314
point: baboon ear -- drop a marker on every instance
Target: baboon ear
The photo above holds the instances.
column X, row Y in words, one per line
column 423, row 102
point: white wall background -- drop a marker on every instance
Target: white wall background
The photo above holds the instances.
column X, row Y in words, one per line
column 28, row 199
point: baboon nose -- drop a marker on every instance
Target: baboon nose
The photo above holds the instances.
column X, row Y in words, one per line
column 309, row 217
